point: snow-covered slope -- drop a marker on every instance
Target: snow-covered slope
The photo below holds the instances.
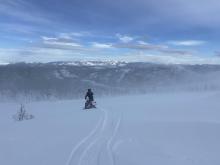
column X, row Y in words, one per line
column 168, row 129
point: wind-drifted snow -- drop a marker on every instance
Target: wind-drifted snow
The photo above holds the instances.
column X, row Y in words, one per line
column 168, row 129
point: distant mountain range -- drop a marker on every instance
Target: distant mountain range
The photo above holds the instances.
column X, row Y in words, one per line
column 67, row 80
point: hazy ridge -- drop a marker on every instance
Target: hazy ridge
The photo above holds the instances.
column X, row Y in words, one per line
column 67, row 80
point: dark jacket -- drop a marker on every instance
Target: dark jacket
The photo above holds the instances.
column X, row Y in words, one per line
column 90, row 96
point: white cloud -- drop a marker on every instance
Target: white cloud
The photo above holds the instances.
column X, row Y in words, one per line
column 142, row 43
column 65, row 35
column 142, row 46
column 187, row 43
column 36, row 54
column 72, row 35
column 101, row 45
column 124, row 38
column 80, row 34
column 59, row 43
column 169, row 59
column 48, row 38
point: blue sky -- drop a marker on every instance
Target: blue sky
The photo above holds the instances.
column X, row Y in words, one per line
column 168, row 31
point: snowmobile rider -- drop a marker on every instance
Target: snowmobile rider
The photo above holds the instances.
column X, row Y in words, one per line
column 89, row 95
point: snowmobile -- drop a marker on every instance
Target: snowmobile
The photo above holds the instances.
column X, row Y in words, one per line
column 90, row 104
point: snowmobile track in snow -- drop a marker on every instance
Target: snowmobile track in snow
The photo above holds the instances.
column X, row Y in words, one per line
column 98, row 144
